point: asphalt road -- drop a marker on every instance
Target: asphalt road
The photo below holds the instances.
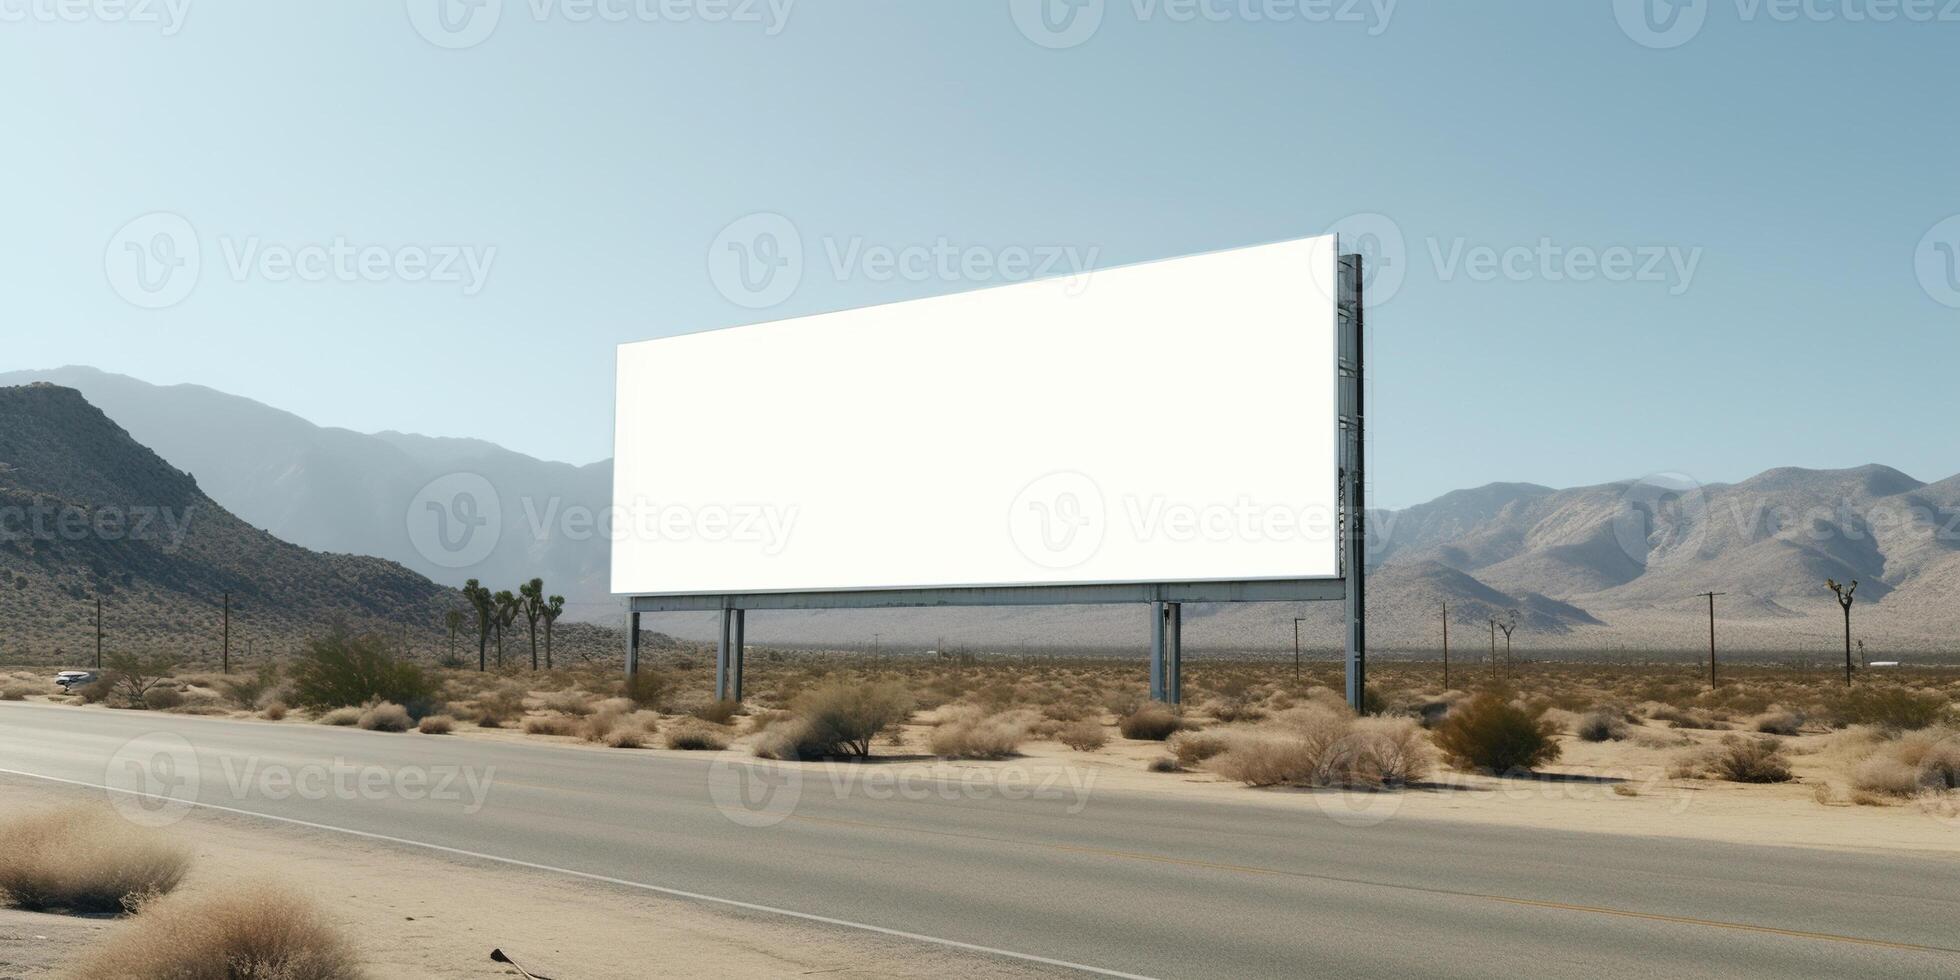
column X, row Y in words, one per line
column 1117, row 882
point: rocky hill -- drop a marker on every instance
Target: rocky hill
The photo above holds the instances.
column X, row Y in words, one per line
column 87, row 512
column 1603, row 568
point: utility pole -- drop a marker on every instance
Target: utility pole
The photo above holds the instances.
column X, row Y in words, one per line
column 1493, row 648
column 226, row 661
column 1446, row 644
column 98, row 632
column 1296, row 650
column 1710, row 596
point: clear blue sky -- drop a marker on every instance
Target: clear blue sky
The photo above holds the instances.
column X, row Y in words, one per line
column 1805, row 160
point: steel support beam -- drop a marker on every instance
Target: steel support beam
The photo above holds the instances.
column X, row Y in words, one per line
column 1354, row 509
column 1167, row 652
column 1261, row 590
column 728, row 655
column 632, row 644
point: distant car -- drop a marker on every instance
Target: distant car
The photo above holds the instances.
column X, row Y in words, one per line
column 68, row 680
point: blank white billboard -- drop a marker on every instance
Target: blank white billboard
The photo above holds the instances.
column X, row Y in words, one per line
column 1171, row 421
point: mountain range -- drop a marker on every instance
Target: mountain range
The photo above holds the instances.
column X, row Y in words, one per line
column 1617, row 566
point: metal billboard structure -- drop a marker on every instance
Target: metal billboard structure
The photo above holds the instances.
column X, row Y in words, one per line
column 1166, row 599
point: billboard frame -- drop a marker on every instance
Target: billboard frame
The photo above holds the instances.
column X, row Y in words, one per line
column 1166, row 599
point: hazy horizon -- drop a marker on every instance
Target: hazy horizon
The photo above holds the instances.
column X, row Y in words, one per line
column 1629, row 277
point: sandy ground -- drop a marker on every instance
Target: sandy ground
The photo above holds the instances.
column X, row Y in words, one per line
column 1618, row 787
column 419, row 916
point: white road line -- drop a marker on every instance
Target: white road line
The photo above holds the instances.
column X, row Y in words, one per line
column 643, row 886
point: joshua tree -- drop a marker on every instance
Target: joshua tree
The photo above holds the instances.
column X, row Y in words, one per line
column 480, row 600
column 554, row 607
column 531, row 602
column 1844, row 593
column 1508, row 624
column 507, row 605
column 454, row 620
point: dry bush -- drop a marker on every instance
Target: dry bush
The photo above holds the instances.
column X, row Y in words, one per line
column 1779, row 721
column 578, row 704
column 340, row 716
column 1067, row 711
column 1323, row 748
column 1162, row 763
column 1491, row 735
column 1890, row 708
column 1191, row 748
column 613, row 722
column 99, row 691
column 718, row 712
column 436, row 725
column 647, row 688
column 1695, row 718
column 496, row 709
column 837, row 718
column 696, row 737
column 1737, row 760
column 968, row 732
column 258, row 932
column 247, row 691
column 163, row 697
column 1601, row 726
column 759, row 721
column 84, row 860
column 340, row 670
column 1751, row 760
column 274, row 710
column 550, row 725
column 1913, row 764
column 17, row 691
column 1086, row 735
column 1560, row 718
column 1152, row 722
column 385, row 716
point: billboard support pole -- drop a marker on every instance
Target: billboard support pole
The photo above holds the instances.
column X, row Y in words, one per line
column 1167, row 652
column 1354, row 511
column 632, row 644
column 728, row 656
column 1174, row 636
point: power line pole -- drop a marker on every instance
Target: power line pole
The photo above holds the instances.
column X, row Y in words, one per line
column 1296, row 650
column 1710, row 596
column 1446, row 644
column 98, row 632
column 226, row 661
column 1493, row 648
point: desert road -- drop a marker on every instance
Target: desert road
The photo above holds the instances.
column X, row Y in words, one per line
column 1102, row 882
